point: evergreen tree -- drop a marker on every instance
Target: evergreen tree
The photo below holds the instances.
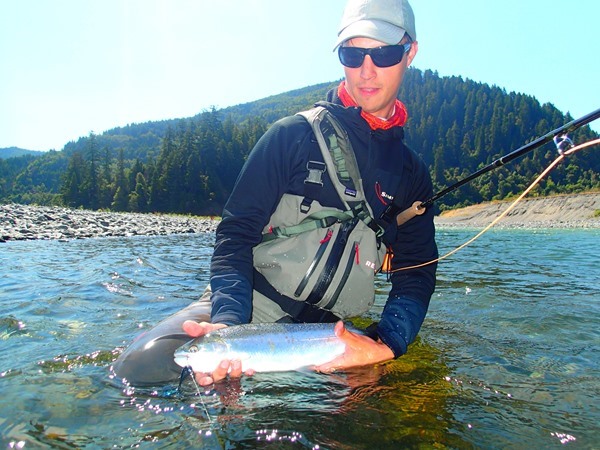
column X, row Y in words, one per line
column 121, row 198
column 72, row 191
column 138, row 199
column 106, row 192
column 92, row 184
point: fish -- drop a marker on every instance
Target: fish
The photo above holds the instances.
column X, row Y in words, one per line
column 268, row 347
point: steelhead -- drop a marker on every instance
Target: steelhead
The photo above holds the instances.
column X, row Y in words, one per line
column 269, row 347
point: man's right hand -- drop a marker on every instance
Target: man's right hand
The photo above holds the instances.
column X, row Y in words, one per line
column 233, row 368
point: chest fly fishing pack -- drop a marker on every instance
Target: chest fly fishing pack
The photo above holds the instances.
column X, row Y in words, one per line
column 318, row 263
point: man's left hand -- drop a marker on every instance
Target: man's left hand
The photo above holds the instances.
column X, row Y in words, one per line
column 360, row 350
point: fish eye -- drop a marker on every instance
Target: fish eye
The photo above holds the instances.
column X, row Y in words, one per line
column 193, row 349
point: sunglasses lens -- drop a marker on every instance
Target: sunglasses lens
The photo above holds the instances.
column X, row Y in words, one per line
column 387, row 56
column 351, row 56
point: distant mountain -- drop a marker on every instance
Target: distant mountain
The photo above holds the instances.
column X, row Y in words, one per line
column 143, row 140
column 277, row 106
column 13, row 152
column 189, row 165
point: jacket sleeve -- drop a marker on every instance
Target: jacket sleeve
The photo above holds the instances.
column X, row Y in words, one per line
column 411, row 291
column 262, row 181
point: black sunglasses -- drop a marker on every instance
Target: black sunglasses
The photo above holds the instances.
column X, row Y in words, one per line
column 385, row 56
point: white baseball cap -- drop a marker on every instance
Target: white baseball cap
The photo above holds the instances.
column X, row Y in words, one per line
column 383, row 20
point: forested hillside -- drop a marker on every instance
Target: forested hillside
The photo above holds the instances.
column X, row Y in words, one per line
column 13, row 152
column 190, row 165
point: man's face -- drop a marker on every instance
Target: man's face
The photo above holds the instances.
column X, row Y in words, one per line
column 375, row 88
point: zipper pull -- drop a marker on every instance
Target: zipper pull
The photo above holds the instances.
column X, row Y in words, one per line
column 327, row 237
column 357, row 259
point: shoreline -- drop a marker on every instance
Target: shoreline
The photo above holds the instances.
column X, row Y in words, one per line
column 558, row 211
column 30, row 222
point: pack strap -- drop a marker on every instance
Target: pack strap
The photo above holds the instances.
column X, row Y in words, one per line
column 332, row 142
column 325, row 219
column 312, row 184
column 337, row 157
column 321, row 219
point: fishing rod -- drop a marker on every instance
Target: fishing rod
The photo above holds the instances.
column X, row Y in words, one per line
column 559, row 136
column 561, row 144
column 562, row 154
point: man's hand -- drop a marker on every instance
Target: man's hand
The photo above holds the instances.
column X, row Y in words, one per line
column 225, row 367
column 197, row 329
column 360, row 350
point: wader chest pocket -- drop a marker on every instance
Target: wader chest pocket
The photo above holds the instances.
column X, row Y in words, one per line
column 332, row 268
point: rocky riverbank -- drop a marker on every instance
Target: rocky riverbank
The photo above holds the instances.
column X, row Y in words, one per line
column 25, row 222
column 560, row 211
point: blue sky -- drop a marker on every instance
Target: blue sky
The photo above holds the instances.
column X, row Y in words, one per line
column 74, row 66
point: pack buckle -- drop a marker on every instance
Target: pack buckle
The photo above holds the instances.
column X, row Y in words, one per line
column 316, row 170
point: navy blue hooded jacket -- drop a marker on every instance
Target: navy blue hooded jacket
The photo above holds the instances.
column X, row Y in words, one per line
column 277, row 165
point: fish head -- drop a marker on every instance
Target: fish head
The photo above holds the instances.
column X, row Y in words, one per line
column 201, row 355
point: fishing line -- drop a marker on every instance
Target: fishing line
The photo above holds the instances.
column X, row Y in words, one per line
column 561, row 144
column 189, row 372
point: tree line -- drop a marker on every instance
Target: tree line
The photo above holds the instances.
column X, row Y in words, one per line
column 190, row 165
column 192, row 173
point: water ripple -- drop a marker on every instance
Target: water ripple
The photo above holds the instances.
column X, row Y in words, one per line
column 508, row 356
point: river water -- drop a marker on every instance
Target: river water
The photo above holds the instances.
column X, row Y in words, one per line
column 508, row 356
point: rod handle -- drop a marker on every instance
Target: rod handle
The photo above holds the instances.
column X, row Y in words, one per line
column 415, row 210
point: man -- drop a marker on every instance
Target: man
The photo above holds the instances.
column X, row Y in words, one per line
column 376, row 44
